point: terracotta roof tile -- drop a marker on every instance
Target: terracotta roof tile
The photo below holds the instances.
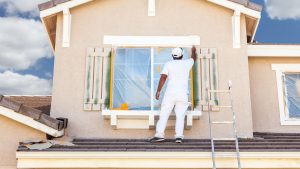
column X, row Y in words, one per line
column 42, row 103
column 36, row 107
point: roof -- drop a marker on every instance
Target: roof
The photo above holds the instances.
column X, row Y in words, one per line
column 42, row 103
column 262, row 142
column 246, row 3
column 30, row 109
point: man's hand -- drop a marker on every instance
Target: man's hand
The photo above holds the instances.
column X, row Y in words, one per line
column 193, row 49
column 194, row 53
column 157, row 95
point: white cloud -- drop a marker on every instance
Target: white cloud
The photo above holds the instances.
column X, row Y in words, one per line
column 283, row 9
column 15, row 7
column 22, row 43
column 17, row 84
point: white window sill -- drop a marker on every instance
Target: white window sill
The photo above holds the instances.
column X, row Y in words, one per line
column 148, row 115
column 290, row 122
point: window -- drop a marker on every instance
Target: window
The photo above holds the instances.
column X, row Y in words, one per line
column 288, row 83
column 292, row 94
column 135, row 77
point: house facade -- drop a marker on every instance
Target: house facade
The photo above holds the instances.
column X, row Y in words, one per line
column 108, row 55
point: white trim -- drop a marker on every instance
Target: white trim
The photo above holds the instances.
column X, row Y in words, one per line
column 274, row 50
column 286, row 67
column 225, row 3
column 155, row 159
column 255, row 30
column 61, row 7
column 234, row 6
column 151, row 7
column 30, row 122
column 152, row 79
column 236, row 29
column 115, row 115
column 152, row 41
column 66, row 28
column 280, row 69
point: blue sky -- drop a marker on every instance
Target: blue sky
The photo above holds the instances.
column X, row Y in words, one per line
column 278, row 31
column 26, row 59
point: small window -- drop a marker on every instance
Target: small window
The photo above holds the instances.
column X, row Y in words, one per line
column 288, row 86
column 292, row 95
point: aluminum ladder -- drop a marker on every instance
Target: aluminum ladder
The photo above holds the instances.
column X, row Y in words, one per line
column 211, row 123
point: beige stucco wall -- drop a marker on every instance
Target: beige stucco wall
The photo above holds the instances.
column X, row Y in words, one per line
column 12, row 133
column 90, row 22
column 264, row 94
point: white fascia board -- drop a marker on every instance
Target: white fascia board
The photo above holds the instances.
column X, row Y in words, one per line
column 235, row 6
column 66, row 28
column 155, row 159
column 236, row 29
column 30, row 122
column 255, row 30
column 60, row 7
column 274, row 50
column 151, row 7
column 151, row 41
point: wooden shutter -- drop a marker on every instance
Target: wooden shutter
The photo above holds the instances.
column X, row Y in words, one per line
column 208, row 66
column 95, row 79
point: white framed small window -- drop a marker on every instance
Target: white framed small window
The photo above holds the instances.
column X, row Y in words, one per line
column 288, row 85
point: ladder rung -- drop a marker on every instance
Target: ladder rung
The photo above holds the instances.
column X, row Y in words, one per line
column 222, row 122
column 219, row 91
column 224, row 139
column 221, row 106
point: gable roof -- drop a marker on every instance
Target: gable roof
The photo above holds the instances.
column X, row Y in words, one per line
column 17, row 108
column 245, row 3
column 50, row 9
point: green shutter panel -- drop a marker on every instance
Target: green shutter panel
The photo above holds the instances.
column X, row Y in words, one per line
column 106, row 76
column 89, row 75
column 101, row 77
column 214, row 80
column 204, row 60
column 96, row 78
column 209, row 76
column 97, row 84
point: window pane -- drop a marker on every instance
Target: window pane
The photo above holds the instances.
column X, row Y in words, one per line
column 161, row 56
column 292, row 94
column 131, row 78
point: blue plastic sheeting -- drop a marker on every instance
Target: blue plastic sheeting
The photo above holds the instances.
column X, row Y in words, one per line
column 292, row 94
column 132, row 76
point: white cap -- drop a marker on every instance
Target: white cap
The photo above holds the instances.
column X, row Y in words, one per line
column 177, row 52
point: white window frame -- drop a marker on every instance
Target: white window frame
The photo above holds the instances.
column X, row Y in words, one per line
column 151, row 42
column 280, row 70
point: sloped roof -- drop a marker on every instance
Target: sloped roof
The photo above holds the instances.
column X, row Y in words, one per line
column 246, row 3
column 42, row 103
column 39, row 111
column 262, row 142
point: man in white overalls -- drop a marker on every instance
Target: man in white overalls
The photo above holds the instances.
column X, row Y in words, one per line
column 177, row 71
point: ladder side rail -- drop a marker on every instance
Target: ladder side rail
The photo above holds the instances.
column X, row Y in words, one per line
column 235, row 128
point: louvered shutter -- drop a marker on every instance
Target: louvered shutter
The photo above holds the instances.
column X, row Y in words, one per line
column 207, row 66
column 96, row 78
